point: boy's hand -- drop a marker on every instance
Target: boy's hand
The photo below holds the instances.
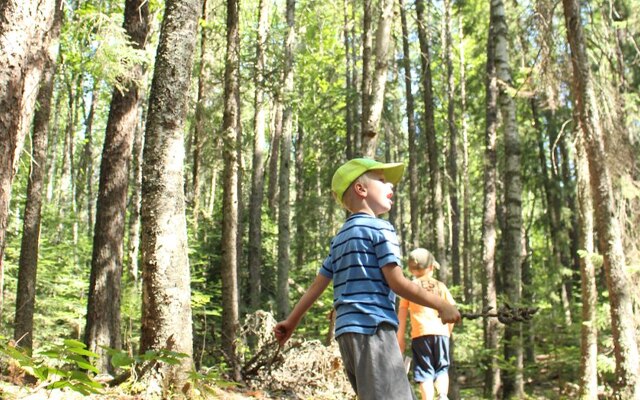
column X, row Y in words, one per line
column 283, row 331
column 449, row 314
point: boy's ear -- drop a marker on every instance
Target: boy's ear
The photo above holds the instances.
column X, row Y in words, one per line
column 360, row 189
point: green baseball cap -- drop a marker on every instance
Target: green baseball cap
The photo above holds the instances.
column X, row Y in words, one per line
column 352, row 169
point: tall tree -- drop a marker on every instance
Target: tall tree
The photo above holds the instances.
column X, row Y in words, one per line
column 435, row 177
column 453, row 144
column 608, row 227
column 259, row 145
column 29, row 248
column 103, row 307
column 230, row 200
column 489, row 211
column 371, row 117
column 414, row 208
column 284, row 234
column 166, row 300
column 23, row 53
column 513, row 380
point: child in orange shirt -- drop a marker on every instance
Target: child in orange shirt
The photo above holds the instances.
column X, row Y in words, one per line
column 429, row 336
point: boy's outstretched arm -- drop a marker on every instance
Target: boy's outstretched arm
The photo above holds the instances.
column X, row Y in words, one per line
column 284, row 329
column 414, row 293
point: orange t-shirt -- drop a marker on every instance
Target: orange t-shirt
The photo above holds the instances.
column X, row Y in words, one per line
column 425, row 320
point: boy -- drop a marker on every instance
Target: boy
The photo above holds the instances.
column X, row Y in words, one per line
column 429, row 335
column 364, row 264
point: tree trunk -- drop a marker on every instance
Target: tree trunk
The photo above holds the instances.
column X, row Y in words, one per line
column 489, row 297
column 230, row 129
column 589, row 329
column 607, row 225
column 453, row 148
column 166, row 300
column 378, row 81
column 350, row 109
column 284, row 234
column 466, row 184
column 28, row 264
column 301, row 232
column 435, row 204
column 365, row 83
column 414, row 208
column 103, row 308
column 259, row 145
column 133, row 247
column 24, row 37
column 200, row 119
column 274, row 157
column 513, row 380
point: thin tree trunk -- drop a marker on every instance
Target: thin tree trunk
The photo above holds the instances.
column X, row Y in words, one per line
column 489, row 296
column 589, row 329
column 274, row 157
column 133, row 247
column 435, row 204
column 301, row 217
column 414, row 208
column 166, row 300
column 29, row 248
column 259, row 145
column 350, row 88
column 466, row 184
column 453, row 148
column 230, row 200
column 378, row 81
column 365, row 83
column 199, row 124
column 513, row 379
column 284, row 234
column 607, row 225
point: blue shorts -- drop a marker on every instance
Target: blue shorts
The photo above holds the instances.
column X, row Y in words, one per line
column 430, row 357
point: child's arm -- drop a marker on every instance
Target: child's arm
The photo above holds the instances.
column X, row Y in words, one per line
column 416, row 294
column 402, row 324
column 284, row 329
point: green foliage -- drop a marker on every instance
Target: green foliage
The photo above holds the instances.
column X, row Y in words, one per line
column 61, row 366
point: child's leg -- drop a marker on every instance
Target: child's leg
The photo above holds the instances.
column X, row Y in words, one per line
column 442, row 385
column 427, row 390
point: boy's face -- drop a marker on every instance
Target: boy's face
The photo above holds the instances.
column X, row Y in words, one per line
column 378, row 192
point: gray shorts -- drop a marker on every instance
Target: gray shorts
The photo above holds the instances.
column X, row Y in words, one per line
column 374, row 365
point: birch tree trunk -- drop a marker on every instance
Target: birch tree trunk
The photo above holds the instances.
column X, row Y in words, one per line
column 230, row 201
column 166, row 299
column 29, row 248
column 608, row 227
column 24, row 36
column 103, row 308
column 259, row 146
column 378, row 81
column 284, row 234
column 513, row 379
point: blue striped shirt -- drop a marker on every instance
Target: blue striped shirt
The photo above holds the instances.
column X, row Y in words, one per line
column 361, row 296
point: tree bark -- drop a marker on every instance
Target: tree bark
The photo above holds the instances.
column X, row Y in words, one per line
column 259, row 145
column 435, row 204
column 607, row 225
column 284, row 234
column 24, row 28
column 414, row 208
column 513, row 379
column 103, row 308
column 29, row 248
column 230, row 200
column 589, row 329
column 489, row 296
column 378, row 81
column 166, row 300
